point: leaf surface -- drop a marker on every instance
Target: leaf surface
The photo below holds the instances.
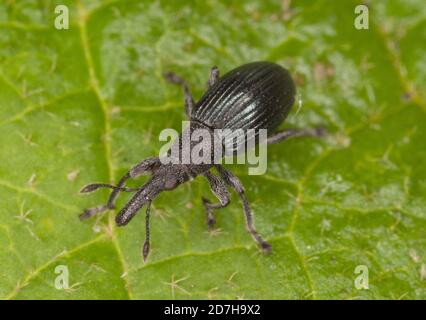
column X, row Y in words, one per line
column 85, row 104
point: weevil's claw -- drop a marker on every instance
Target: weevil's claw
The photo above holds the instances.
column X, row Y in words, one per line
column 211, row 222
column 90, row 212
column 266, row 247
column 90, row 188
column 86, row 214
column 172, row 78
column 145, row 250
column 320, row 131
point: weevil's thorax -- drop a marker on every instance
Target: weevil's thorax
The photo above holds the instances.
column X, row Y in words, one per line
column 195, row 150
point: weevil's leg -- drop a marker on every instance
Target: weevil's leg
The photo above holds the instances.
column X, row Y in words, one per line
column 292, row 133
column 221, row 192
column 189, row 100
column 95, row 186
column 234, row 182
column 90, row 212
column 214, row 76
column 146, row 165
column 146, row 245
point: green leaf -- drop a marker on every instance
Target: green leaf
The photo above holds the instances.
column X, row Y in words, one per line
column 85, row 104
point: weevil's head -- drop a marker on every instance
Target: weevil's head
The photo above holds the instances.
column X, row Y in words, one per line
column 168, row 177
column 164, row 178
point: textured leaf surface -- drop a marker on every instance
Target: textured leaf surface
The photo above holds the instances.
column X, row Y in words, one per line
column 85, row 104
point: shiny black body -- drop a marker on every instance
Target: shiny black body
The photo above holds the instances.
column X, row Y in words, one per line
column 256, row 95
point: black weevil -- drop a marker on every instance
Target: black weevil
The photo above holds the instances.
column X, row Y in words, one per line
column 253, row 96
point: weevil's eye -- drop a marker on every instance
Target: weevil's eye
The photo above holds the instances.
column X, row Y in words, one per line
column 170, row 183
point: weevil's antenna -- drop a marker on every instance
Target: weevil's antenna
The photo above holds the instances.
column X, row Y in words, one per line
column 94, row 186
column 146, row 245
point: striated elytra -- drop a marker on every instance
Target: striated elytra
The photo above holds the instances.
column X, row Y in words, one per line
column 257, row 95
column 253, row 96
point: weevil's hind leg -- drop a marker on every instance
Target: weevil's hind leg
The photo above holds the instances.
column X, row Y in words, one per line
column 293, row 133
column 235, row 183
column 221, row 192
column 214, row 77
column 189, row 100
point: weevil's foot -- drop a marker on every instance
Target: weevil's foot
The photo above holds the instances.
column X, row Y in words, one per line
column 88, row 213
column 266, row 247
column 173, row 77
column 211, row 222
column 319, row 132
column 145, row 250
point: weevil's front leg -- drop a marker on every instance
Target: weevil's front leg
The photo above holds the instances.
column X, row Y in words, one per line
column 189, row 100
column 90, row 212
column 235, row 183
column 221, row 192
column 214, row 77
column 292, row 133
column 146, row 165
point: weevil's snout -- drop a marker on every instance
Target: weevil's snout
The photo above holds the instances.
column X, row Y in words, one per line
column 145, row 195
column 129, row 211
column 165, row 178
column 123, row 218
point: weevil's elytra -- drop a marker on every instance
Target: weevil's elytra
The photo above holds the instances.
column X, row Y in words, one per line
column 257, row 95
